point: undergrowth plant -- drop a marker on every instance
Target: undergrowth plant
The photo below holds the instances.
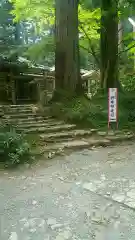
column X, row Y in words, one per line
column 14, row 149
column 93, row 113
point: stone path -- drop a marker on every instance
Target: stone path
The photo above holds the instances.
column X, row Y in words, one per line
column 86, row 195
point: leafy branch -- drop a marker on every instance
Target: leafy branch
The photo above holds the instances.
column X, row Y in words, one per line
column 90, row 44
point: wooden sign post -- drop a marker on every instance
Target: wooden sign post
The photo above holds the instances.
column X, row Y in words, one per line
column 112, row 107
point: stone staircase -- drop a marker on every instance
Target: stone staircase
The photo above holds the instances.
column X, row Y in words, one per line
column 26, row 120
column 56, row 136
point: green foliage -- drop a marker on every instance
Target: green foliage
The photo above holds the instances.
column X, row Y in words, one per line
column 9, row 32
column 43, row 16
column 82, row 111
column 42, row 12
column 42, row 52
column 89, row 22
column 94, row 113
column 6, row 27
column 14, row 149
column 128, row 81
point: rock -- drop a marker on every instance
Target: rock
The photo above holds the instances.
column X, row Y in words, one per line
column 90, row 187
column 23, row 220
column 131, row 204
column 26, row 224
column 34, row 202
column 102, row 133
column 97, row 219
column 76, row 144
column 93, row 147
column 111, row 133
column 51, row 221
column 87, row 214
column 118, row 197
column 64, row 235
column 60, row 150
column 32, row 222
column 108, row 194
column 42, row 223
column 11, row 177
column 61, row 178
column 78, row 183
column 103, row 177
column 13, row 236
column 32, row 230
column 131, row 194
column 93, row 130
column 23, row 177
column 51, row 154
column 56, row 226
column 61, row 197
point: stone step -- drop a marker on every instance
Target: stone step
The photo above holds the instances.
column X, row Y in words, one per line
column 50, row 130
column 52, row 137
column 18, row 112
column 50, row 150
column 23, row 115
column 25, row 109
column 30, row 118
column 25, row 120
column 16, row 107
column 17, row 116
column 38, row 124
column 20, row 108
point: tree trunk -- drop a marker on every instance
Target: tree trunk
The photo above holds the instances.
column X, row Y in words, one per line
column 67, row 66
column 109, row 43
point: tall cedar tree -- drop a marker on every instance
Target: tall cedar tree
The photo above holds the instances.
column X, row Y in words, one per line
column 67, row 63
column 109, row 43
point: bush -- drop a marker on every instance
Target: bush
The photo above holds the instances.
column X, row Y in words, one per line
column 127, row 79
column 14, row 149
column 94, row 113
column 81, row 111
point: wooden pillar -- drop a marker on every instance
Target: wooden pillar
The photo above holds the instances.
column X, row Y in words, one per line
column 120, row 34
column 89, row 86
column 45, row 74
column 13, row 89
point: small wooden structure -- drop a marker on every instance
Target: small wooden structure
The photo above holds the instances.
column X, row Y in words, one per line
column 10, row 82
column 20, row 83
column 90, row 79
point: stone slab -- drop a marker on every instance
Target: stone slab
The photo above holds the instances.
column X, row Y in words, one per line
column 51, row 130
column 75, row 144
column 74, row 133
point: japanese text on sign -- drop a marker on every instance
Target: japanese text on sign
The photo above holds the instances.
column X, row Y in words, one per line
column 112, row 105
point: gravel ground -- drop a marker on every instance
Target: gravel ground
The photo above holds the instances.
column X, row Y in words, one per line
column 85, row 195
